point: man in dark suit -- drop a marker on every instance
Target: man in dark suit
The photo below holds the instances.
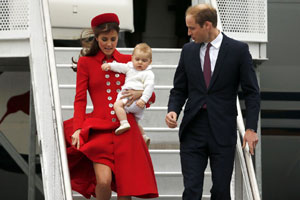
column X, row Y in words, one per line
column 208, row 76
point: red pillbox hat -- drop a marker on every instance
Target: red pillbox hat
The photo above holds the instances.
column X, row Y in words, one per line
column 104, row 18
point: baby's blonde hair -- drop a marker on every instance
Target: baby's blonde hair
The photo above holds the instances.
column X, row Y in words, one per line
column 143, row 47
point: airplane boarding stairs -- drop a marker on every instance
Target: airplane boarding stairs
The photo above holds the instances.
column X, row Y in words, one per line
column 164, row 148
column 53, row 91
column 164, row 141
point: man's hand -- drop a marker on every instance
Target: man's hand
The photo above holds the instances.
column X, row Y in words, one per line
column 251, row 138
column 140, row 103
column 105, row 67
column 171, row 119
column 75, row 139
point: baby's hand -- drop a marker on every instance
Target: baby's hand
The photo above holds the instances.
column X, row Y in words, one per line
column 140, row 103
column 105, row 67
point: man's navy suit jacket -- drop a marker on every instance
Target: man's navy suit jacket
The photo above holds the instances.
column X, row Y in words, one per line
column 233, row 67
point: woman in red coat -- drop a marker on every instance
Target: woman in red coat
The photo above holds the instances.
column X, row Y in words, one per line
column 99, row 160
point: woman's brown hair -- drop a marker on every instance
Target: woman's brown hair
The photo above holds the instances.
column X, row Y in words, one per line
column 88, row 40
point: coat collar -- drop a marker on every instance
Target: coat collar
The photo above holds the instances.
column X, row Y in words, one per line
column 117, row 56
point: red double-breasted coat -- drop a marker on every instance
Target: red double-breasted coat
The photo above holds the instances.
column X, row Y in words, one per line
column 126, row 154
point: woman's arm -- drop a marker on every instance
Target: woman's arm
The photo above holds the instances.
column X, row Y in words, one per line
column 79, row 102
column 81, row 94
column 133, row 95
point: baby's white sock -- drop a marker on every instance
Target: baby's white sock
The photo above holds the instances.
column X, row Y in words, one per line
column 123, row 122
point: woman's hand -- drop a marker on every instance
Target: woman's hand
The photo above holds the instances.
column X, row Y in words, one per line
column 132, row 95
column 75, row 139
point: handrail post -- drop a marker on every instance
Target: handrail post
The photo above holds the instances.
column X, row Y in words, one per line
column 258, row 164
column 48, row 124
column 59, row 134
column 32, row 151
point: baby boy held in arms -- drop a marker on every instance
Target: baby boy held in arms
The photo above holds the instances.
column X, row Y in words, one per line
column 138, row 77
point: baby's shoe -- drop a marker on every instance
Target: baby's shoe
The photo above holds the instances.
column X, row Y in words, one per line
column 147, row 140
column 122, row 128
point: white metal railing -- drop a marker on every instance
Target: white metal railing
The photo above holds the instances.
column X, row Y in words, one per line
column 246, row 160
column 54, row 164
column 59, row 134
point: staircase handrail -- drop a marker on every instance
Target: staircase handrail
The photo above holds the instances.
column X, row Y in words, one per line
column 247, row 155
column 59, row 134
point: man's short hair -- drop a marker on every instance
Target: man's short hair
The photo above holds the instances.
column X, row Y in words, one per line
column 203, row 13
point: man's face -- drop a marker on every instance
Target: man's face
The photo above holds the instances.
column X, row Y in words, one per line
column 198, row 34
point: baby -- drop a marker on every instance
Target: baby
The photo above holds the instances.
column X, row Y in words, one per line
column 138, row 77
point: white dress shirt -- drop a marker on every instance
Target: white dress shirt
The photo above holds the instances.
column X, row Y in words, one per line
column 213, row 52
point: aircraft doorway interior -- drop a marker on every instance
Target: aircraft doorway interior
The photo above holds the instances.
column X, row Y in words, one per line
column 159, row 23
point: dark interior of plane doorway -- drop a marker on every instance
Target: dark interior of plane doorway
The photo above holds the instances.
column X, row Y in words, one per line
column 159, row 23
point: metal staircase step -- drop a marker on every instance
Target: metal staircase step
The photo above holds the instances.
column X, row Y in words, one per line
column 165, row 160
column 163, row 74
column 153, row 117
column 67, row 95
column 161, row 197
column 159, row 55
column 168, row 160
column 162, row 138
column 172, row 183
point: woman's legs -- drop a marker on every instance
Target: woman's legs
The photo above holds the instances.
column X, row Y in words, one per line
column 104, row 177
